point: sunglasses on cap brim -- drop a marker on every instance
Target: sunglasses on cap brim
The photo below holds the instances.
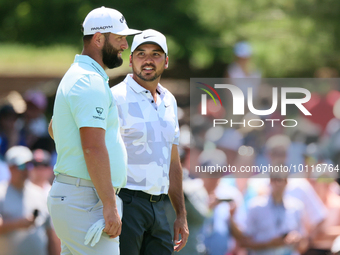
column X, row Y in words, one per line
column 25, row 166
column 41, row 164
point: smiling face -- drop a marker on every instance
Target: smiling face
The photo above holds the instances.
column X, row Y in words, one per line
column 148, row 62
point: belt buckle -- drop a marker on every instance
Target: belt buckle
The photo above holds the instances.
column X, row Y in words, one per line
column 152, row 201
column 117, row 191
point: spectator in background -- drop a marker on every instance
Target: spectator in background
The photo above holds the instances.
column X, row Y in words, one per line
column 328, row 190
column 281, row 232
column 9, row 135
column 198, row 127
column 34, row 125
column 215, row 231
column 314, row 211
column 242, row 67
column 277, row 148
column 25, row 225
column 42, row 173
column 230, row 143
column 218, row 237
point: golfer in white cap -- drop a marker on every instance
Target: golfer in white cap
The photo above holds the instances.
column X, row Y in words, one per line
column 150, row 130
column 91, row 164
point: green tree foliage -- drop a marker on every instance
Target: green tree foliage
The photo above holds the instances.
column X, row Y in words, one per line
column 290, row 37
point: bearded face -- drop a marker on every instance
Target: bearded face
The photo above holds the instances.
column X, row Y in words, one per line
column 111, row 57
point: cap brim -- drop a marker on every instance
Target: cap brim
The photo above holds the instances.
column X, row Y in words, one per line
column 148, row 42
column 129, row 32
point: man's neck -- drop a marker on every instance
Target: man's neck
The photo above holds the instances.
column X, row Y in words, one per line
column 40, row 183
column 277, row 198
column 17, row 185
column 149, row 85
column 94, row 56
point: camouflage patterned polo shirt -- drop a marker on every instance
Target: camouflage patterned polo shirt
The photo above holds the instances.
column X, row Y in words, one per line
column 148, row 130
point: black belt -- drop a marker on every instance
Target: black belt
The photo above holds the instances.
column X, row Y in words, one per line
column 138, row 193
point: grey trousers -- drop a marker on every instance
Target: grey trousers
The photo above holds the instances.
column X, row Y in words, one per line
column 73, row 211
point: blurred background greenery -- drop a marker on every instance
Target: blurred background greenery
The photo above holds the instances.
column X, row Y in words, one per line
column 290, row 38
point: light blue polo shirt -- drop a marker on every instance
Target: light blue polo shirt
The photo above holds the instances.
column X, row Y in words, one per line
column 84, row 99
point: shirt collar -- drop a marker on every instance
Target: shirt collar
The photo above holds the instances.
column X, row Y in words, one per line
column 88, row 60
column 138, row 88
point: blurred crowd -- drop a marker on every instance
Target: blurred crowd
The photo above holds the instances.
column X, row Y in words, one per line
column 27, row 156
column 228, row 212
column 29, row 129
column 256, row 212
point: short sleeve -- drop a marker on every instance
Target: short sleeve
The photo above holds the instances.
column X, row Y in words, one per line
column 89, row 102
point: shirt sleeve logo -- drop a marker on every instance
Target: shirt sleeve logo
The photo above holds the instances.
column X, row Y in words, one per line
column 99, row 110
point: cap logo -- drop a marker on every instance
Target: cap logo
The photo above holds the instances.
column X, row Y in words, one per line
column 144, row 37
column 98, row 28
column 122, row 19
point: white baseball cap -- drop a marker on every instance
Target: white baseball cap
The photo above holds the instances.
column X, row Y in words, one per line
column 242, row 50
column 106, row 20
column 150, row 36
column 18, row 155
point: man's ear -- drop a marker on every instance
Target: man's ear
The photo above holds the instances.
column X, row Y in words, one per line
column 98, row 39
column 130, row 59
column 166, row 62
